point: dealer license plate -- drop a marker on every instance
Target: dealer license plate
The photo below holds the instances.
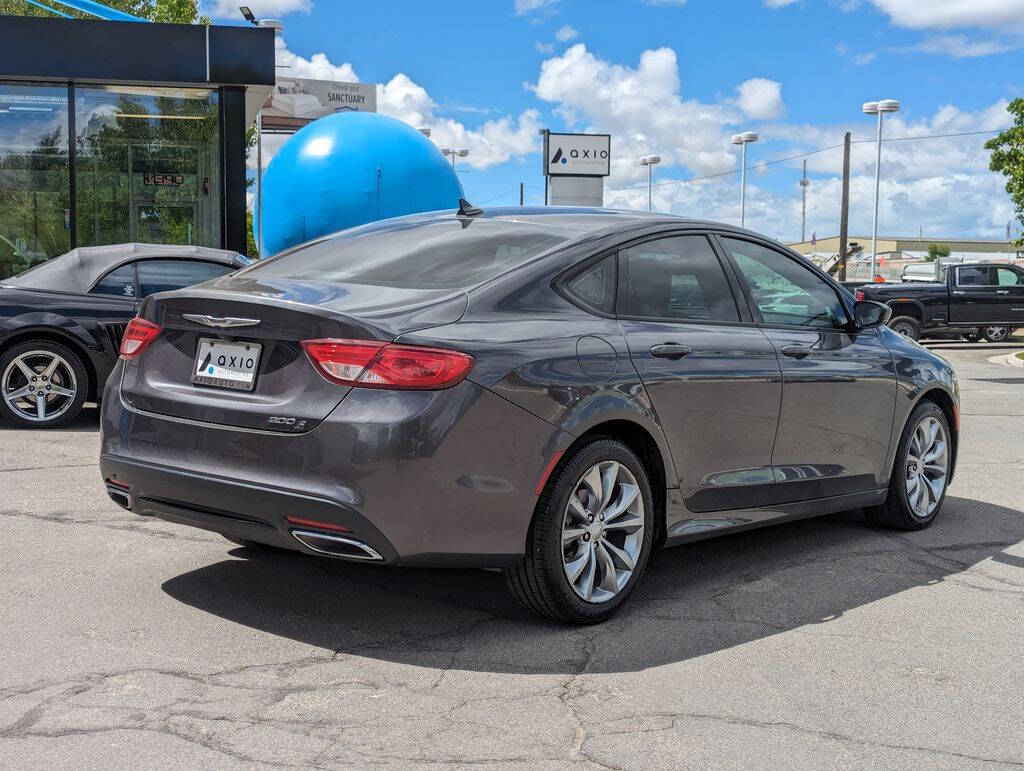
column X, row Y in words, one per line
column 226, row 365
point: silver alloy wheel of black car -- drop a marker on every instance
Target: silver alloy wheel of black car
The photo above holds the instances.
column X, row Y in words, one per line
column 602, row 531
column 995, row 334
column 926, row 468
column 39, row 386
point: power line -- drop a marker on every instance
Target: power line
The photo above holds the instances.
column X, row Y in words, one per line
column 797, row 157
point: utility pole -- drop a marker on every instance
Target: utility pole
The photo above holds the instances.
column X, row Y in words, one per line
column 803, row 209
column 522, row 192
column 844, row 209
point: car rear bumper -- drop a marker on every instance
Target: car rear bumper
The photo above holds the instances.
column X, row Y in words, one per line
column 431, row 478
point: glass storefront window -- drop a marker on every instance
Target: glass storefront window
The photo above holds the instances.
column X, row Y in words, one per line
column 35, row 215
column 147, row 165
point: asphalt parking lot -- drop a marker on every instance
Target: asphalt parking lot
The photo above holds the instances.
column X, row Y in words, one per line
column 127, row 642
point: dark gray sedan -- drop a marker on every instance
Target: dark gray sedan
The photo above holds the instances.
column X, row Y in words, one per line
column 553, row 392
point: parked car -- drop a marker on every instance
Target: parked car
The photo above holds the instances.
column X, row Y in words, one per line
column 61, row 321
column 554, row 392
column 982, row 301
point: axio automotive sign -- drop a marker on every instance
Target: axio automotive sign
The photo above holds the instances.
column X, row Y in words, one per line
column 578, row 155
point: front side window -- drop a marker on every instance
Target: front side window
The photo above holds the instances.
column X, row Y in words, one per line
column 166, row 275
column 677, row 278
column 120, row 282
column 784, row 291
column 1009, row 277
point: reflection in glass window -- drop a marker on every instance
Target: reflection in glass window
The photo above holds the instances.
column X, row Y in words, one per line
column 147, row 165
column 595, row 286
column 166, row 275
column 35, row 219
column 977, row 276
column 785, row 291
column 120, row 282
column 678, row 278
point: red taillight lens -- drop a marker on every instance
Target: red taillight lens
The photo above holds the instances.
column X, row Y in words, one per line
column 139, row 334
column 367, row 364
column 859, row 295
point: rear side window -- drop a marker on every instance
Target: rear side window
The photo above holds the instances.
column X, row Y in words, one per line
column 166, row 275
column 120, row 282
column 595, row 286
column 1009, row 277
column 677, row 278
column 441, row 252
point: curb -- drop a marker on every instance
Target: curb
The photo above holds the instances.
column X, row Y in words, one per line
column 1007, row 359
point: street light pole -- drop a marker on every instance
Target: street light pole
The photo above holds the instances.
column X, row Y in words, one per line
column 878, row 108
column 452, row 153
column 803, row 205
column 650, row 161
column 743, row 140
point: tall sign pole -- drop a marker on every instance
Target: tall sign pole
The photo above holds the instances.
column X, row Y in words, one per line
column 803, row 206
column 844, row 209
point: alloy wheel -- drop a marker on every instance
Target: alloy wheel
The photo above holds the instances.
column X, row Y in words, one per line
column 602, row 531
column 996, row 334
column 927, row 464
column 39, row 386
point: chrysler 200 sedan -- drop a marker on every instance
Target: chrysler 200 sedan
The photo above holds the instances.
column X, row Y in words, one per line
column 553, row 392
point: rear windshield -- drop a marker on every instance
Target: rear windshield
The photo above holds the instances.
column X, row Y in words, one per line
column 434, row 253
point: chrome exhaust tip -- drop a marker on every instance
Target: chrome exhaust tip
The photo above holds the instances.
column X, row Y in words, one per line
column 121, row 497
column 338, row 546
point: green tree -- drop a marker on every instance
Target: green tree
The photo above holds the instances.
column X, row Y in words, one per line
column 173, row 11
column 937, row 250
column 1008, row 158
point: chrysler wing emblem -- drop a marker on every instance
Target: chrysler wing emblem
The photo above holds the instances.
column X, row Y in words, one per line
column 221, row 322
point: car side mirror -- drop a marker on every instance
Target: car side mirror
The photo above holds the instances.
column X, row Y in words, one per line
column 868, row 314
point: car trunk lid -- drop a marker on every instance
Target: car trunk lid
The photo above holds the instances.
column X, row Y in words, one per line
column 269, row 319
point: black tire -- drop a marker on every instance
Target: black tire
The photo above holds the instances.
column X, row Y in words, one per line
column 539, row 582
column 74, row 403
column 973, row 337
column 907, row 326
column 895, row 512
column 995, row 334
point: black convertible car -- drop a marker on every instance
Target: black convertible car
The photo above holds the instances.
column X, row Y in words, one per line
column 61, row 322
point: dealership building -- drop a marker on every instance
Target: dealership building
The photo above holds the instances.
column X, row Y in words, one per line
column 114, row 131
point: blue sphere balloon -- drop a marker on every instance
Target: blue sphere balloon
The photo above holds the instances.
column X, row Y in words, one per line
column 348, row 169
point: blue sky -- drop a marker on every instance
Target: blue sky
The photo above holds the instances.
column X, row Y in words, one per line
column 678, row 78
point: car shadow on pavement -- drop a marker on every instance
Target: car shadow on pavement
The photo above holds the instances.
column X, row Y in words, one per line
column 86, row 420
column 697, row 599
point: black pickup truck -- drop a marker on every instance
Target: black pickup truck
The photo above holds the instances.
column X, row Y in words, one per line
column 979, row 301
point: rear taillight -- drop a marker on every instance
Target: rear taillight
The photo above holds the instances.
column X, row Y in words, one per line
column 368, row 364
column 859, row 295
column 137, row 337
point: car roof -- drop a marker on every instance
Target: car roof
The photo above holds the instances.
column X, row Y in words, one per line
column 589, row 219
column 80, row 269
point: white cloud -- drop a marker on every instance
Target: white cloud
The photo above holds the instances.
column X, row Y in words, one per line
column 864, row 58
column 641, row 108
column 779, row 3
column 942, row 184
column 262, row 9
column 944, row 14
column 524, row 7
column 760, row 98
column 544, row 48
column 496, row 141
column 567, row 33
column 665, row 2
column 961, row 47
column 318, row 67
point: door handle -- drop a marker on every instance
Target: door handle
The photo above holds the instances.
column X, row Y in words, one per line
column 671, row 351
column 1002, row 291
column 796, row 351
column 958, row 292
